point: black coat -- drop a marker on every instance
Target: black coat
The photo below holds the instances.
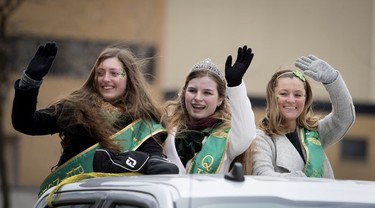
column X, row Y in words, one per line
column 26, row 119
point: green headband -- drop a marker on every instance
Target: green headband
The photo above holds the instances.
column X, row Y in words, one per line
column 296, row 73
column 299, row 75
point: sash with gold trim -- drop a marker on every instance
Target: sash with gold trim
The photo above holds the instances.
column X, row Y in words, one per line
column 211, row 156
column 130, row 138
column 314, row 166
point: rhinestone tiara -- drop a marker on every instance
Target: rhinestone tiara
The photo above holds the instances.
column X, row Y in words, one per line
column 207, row 64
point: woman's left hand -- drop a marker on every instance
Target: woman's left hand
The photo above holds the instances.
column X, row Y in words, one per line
column 234, row 74
column 317, row 69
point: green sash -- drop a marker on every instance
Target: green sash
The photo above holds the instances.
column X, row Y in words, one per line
column 130, row 138
column 314, row 152
column 211, row 156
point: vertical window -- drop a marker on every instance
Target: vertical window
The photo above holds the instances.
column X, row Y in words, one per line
column 354, row 149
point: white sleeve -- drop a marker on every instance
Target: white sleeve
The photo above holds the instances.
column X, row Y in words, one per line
column 243, row 130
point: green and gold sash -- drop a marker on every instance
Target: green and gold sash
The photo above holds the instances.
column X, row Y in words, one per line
column 130, row 138
column 314, row 166
column 211, row 156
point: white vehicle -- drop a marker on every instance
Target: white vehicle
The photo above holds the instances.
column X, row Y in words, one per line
column 210, row 191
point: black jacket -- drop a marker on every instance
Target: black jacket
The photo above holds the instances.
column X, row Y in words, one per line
column 26, row 119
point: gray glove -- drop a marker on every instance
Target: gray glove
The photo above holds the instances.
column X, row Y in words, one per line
column 317, row 69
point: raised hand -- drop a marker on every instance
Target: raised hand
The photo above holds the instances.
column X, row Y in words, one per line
column 317, row 69
column 234, row 74
column 42, row 61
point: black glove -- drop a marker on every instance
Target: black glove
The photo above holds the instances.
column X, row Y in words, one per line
column 234, row 74
column 42, row 61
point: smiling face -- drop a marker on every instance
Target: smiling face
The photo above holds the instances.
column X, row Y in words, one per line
column 111, row 79
column 202, row 98
column 291, row 95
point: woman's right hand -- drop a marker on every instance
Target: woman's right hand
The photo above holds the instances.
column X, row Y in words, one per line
column 42, row 61
column 234, row 74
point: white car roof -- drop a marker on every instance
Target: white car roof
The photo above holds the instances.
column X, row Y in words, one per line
column 170, row 188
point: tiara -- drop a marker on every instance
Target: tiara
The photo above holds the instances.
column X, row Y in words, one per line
column 208, row 65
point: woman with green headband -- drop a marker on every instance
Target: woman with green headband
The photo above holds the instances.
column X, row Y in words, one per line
column 291, row 140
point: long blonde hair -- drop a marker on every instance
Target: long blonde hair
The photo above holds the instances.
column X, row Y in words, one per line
column 273, row 122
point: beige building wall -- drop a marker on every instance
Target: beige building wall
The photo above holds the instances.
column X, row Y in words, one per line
column 185, row 32
column 356, row 169
column 117, row 21
column 338, row 31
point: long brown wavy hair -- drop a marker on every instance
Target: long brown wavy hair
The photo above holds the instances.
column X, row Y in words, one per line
column 135, row 103
column 176, row 114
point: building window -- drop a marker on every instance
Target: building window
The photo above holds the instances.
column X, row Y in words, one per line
column 354, row 149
